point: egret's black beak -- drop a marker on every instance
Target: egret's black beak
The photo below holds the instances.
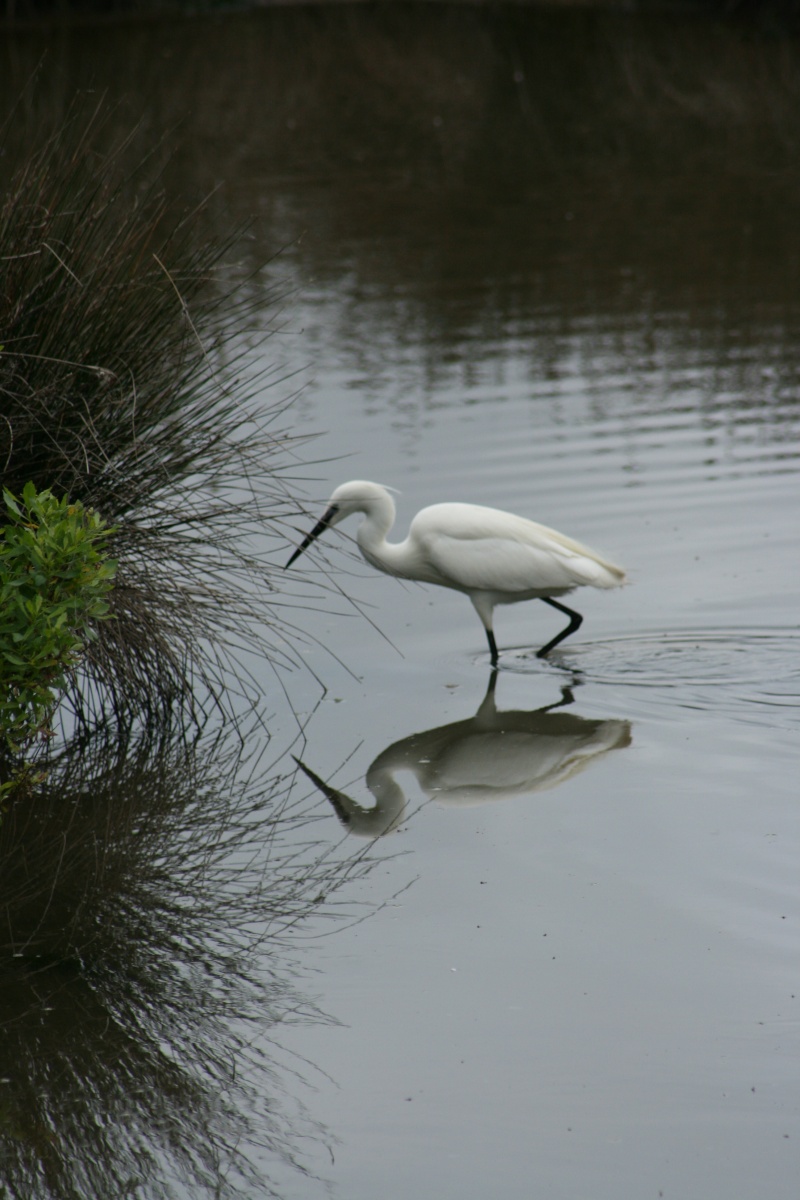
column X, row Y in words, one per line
column 319, row 528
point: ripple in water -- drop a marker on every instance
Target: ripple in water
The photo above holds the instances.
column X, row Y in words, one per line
column 751, row 674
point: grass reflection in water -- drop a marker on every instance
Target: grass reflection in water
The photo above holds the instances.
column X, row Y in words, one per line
column 151, row 895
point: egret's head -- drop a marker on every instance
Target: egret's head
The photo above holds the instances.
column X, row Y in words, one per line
column 357, row 496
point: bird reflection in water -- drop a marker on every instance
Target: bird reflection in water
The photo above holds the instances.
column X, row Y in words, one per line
column 490, row 756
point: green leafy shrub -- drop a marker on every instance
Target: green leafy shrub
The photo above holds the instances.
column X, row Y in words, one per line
column 54, row 580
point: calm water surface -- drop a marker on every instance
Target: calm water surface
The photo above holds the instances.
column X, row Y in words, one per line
column 546, row 263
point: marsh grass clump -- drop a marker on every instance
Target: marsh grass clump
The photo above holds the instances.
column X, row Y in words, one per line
column 124, row 386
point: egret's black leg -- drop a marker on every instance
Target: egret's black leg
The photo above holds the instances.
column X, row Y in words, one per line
column 492, row 647
column 575, row 622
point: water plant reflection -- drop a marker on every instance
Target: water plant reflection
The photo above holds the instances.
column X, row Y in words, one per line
column 491, row 756
column 144, row 887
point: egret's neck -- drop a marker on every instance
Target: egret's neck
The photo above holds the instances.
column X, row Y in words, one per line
column 371, row 537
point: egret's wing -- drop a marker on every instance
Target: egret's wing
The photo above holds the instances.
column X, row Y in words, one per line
column 480, row 549
column 498, row 565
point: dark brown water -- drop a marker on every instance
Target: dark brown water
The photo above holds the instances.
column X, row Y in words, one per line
column 548, row 262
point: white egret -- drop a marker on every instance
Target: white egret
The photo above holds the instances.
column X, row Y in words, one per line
column 492, row 556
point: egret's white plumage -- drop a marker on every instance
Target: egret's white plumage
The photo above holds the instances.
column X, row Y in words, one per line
column 494, row 557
